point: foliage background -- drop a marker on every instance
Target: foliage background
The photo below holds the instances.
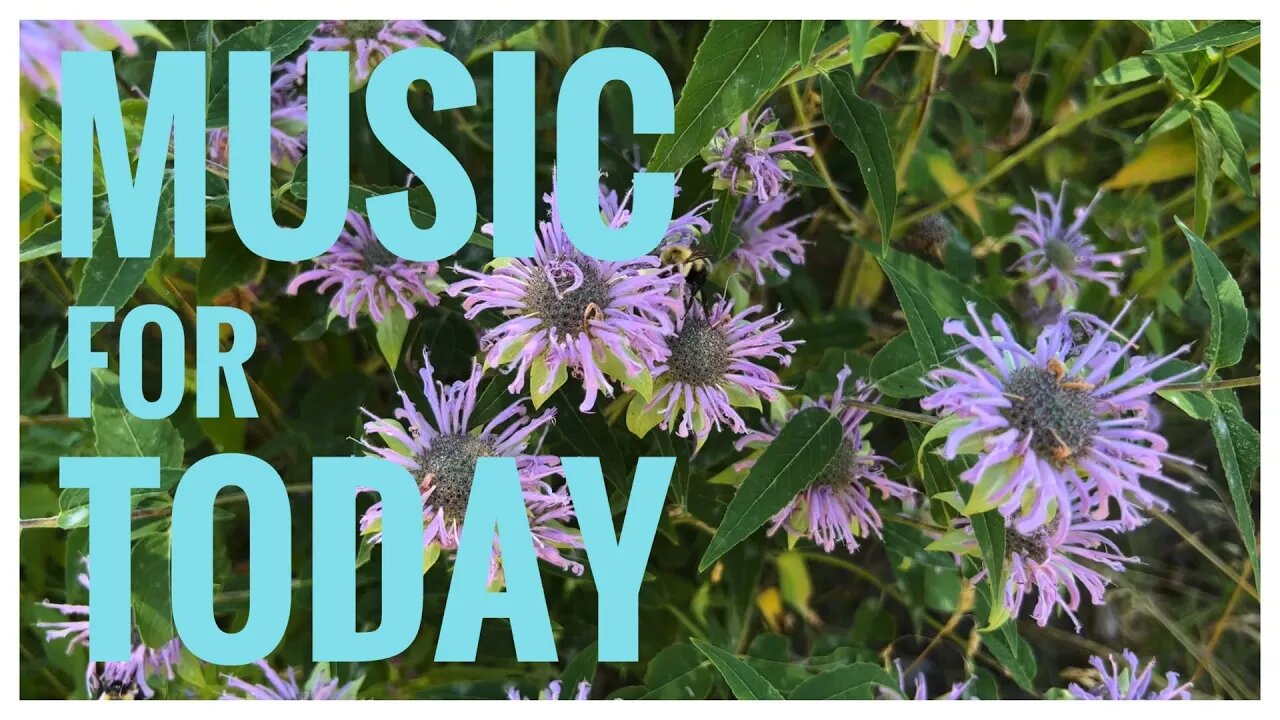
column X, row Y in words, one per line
column 971, row 136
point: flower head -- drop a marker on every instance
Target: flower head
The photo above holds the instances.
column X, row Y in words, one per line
column 42, row 42
column 751, row 161
column 1130, row 683
column 370, row 277
column 288, row 120
column 319, row 687
column 836, row 507
column 776, row 247
column 122, row 679
column 713, row 365
column 371, row 41
column 552, row 692
column 568, row 312
column 441, row 451
column 985, row 32
column 1067, row 416
column 1061, row 256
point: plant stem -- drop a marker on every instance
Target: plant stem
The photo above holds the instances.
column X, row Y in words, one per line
column 228, row 499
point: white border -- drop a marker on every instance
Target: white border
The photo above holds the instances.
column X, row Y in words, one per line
column 508, row 9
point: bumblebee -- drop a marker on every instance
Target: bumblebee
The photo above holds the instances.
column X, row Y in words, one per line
column 120, row 690
column 691, row 262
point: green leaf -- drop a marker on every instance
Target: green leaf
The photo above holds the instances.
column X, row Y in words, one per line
column 468, row 36
column 677, row 672
column 858, row 681
column 419, row 198
column 810, row 31
column 1228, row 316
column 896, row 369
column 722, row 241
column 110, row 279
column 278, row 37
column 44, row 241
column 641, row 419
column 1235, row 161
column 1224, row 33
column 1239, row 446
column 641, row 382
column 923, row 320
column 1014, row 654
column 743, row 680
column 539, row 389
column 738, row 64
column 1173, row 116
column 789, row 464
column 227, row 264
column 988, row 528
column 1247, row 70
column 1128, row 70
column 150, row 592
column 859, row 33
column 581, row 668
column 860, row 127
column 391, row 333
column 1208, row 159
column 119, row 433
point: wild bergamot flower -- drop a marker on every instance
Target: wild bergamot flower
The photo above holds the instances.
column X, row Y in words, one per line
column 945, row 32
column 567, row 312
column 288, row 121
column 370, row 277
column 1065, row 416
column 836, row 507
column 775, row 247
column 442, row 452
column 751, row 160
column 320, row 686
column 921, row 687
column 712, row 365
column 42, row 42
column 1060, row 256
column 1130, row 683
column 553, row 692
column 116, row 680
column 371, row 41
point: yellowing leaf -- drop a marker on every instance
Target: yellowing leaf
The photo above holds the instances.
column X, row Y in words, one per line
column 949, row 179
column 1168, row 156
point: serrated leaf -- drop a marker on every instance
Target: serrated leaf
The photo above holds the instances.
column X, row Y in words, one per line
column 1223, row 33
column 119, row 433
column 1235, row 161
column 925, row 323
column 1128, row 70
column 858, row 124
column 858, row 681
column 896, row 369
column 744, row 682
column 737, row 65
column 278, row 37
column 44, row 241
column 803, row 449
column 1228, row 316
column 677, row 672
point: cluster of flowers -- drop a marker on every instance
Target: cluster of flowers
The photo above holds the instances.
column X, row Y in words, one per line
column 1062, row 432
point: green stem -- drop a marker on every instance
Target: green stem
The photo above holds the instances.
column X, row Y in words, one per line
column 228, row 499
column 1251, row 381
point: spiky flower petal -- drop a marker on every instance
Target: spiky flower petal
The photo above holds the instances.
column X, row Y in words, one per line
column 371, row 41
column 1130, row 683
column 750, row 160
column 320, row 687
column 552, row 692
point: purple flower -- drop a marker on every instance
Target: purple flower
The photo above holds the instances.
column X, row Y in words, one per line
column 985, row 32
column 1060, row 255
column 442, row 452
column 124, row 679
column 368, row 276
column 1130, row 683
column 552, row 692
column 922, row 688
column 371, row 41
column 288, row 120
column 712, row 366
column 774, row 248
column 568, row 312
column 750, row 161
column 1067, row 416
column 42, row 42
column 319, row 687
column 836, row 507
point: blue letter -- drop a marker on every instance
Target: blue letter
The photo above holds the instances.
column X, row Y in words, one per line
column 269, row 559
column 250, row 156
column 398, row 131
column 617, row 563
column 513, row 156
column 81, row 357
column 172, row 362
column 333, row 633
column 496, row 497
column 212, row 362
column 108, row 480
column 177, row 101
column 578, row 153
